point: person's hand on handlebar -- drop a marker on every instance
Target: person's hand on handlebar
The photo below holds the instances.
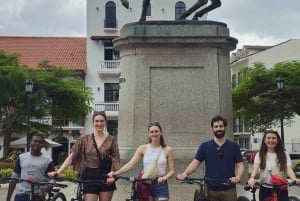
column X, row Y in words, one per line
column 251, row 182
column 235, row 180
column 181, row 176
column 52, row 174
column 111, row 177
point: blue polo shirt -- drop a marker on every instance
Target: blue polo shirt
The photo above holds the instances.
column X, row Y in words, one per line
column 219, row 161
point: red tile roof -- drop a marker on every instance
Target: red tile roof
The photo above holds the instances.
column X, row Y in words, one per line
column 59, row 51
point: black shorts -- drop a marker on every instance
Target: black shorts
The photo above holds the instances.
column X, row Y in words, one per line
column 267, row 192
column 94, row 174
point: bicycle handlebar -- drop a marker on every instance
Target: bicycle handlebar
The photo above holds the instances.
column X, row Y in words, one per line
column 133, row 179
column 202, row 181
column 79, row 181
column 51, row 182
column 274, row 186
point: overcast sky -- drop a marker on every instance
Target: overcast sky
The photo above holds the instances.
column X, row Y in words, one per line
column 252, row 22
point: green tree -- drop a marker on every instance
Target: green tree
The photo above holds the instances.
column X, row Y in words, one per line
column 256, row 97
column 57, row 93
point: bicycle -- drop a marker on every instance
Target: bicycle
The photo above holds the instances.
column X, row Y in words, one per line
column 53, row 195
column 274, row 187
column 201, row 193
column 80, row 183
column 134, row 191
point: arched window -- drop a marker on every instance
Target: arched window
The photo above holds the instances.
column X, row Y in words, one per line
column 179, row 9
column 149, row 10
column 110, row 15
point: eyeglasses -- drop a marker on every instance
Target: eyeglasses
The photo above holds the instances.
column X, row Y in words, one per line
column 220, row 152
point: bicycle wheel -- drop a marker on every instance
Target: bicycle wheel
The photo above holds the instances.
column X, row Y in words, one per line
column 197, row 195
column 293, row 198
column 242, row 198
column 59, row 197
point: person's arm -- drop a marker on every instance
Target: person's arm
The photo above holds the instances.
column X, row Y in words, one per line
column 115, row 155
column 239, row 172
column 12, row 184
column 47, row 189
column 189, row 170
column 11, row 188
column 291, row 174
column 171, row 166
column 133, row 161
column 64, row 166
column 254, row 172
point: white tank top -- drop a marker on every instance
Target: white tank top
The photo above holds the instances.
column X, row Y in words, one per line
column 151, row 155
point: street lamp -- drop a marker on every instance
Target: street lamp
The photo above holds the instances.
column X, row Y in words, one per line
column 28, row 89
column 280, row 84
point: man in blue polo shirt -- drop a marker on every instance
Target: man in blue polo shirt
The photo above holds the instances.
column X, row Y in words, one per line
column 223, row 160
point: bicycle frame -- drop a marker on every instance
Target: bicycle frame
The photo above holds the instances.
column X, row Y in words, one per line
column 201, row 194
column 37, row 185
column 274, row 187
column 133, row 192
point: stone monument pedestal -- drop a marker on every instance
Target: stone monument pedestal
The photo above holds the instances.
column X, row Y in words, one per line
column 177, row 73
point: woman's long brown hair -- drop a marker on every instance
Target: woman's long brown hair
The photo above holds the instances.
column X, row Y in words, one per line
column 162, row 140
column 279, row 150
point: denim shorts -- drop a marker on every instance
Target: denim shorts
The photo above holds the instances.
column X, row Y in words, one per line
column 22, row 197
column 160, row 191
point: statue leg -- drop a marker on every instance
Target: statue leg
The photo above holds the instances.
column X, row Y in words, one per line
column 125, row 3
column 144, row 10
column 192, row 9
column 213, row 5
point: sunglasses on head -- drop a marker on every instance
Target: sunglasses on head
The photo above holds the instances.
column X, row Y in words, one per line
column 99, row 112
column 156, row 123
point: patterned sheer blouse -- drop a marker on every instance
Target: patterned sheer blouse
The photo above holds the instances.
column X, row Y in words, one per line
column 85, row 155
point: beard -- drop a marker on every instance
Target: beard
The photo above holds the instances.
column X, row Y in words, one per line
column 219, row 134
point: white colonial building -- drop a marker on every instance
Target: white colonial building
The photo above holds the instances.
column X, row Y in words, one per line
column 269, row 55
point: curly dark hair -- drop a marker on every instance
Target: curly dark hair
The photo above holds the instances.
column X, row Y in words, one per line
column 218, row 118
column 279, row 150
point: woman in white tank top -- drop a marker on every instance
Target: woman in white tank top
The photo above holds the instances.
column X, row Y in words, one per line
column 149, row 153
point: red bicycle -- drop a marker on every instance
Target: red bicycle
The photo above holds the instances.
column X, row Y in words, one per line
column 274, row 187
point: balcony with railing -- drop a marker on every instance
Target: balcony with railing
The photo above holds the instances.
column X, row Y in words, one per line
column 64, row 123
column 110, row 108
column 109, row 68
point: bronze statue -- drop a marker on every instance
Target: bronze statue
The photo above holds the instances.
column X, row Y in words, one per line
column 214, row 4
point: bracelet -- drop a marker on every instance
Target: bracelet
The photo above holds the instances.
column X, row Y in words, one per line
column 252, row 176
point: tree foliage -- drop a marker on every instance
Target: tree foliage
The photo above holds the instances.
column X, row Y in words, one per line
column 57, row 93
column 257, row 98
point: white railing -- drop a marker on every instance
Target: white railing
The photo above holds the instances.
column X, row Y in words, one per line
column 110, row 107
column 110, row 65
